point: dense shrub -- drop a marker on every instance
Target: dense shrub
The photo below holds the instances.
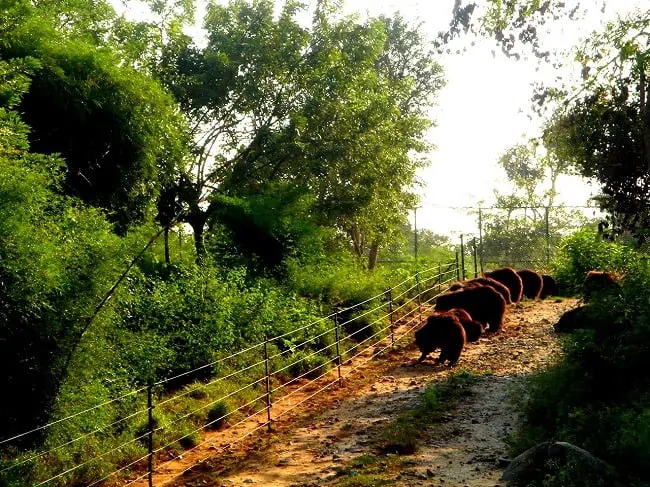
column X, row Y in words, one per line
column 57, row 258
column 597, row 396
column 217, row 414
column 585, row 251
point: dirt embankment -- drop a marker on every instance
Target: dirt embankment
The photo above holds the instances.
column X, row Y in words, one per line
column 327, row 433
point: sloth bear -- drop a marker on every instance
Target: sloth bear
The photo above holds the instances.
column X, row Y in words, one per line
column 597, row 282
column 483, row 281
column 549, row 287
column 510, row 279
column 532, row 282
column 442, row 331
column 457, row 286
column 473, row 329
column 483, row 304
column 574, row 319
column 496, row 285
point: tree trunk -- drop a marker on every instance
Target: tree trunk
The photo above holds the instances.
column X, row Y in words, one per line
column 357, row 243
column 645, row 113
column 167, row 259
column 199, row 244
column 372, row 256
column 197, row 221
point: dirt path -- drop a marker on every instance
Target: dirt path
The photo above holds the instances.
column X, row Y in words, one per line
column 325, row 436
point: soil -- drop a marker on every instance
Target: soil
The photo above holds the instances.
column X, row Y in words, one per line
column 316, row 437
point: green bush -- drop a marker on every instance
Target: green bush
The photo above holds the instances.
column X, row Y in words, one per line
column 304, row 362
column 364, row 323
column 217, row 414
column 597, row 396
column 585, row 251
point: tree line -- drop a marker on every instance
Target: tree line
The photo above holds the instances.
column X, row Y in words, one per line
column 276, row 157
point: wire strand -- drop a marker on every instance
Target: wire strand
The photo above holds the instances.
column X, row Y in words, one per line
column 223, row 359
column 72, row 441
column 294, row 347
column 303, row 375
column 218, row 379
column 222, row 398
column 302, row 327
column 112, row 450
column 363, row 314
column 211, row 422
column 52, row 423
column 302, row 359
column 120, row 470
column 236, row 440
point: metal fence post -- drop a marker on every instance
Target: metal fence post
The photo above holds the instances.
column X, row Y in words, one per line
column 548, row 239
column 439, row 277
column 457, row 268
column 462, row 254
column 268, row 384
column 415, row 224
column 475, row 259
column 480, row 236
column 417, row 282
column 390, row 312
column 150, row 426
column 338, row 348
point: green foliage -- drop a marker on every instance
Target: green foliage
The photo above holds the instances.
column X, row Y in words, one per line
column 526, row 227
column 433, row 249
column 585, row 251
column 347, row 141
column 120, row 134
column 340, row 279
column 280, row 221
column 606, row 139
column 189, row 440
column 520, row 238
column 596, row 397
column 57, row 260
column 363, row 322
column 186, row 317
column 304, row 364
column 601, row 124
column 217, row 414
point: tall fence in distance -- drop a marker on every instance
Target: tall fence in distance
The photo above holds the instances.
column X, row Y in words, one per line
column 166, row 429
column 519, row 237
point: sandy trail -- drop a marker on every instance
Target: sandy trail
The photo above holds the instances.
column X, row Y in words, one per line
column 326, row 433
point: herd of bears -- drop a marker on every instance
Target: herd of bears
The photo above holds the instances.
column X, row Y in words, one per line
column 477, row 306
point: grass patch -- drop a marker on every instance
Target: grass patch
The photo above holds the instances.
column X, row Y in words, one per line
column 217, row 415
column 404, row 434
column 369, row 471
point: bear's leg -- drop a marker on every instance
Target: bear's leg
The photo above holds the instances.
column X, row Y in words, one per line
column 495, row 325
column 443, row 356
column 422, row 357
column 453, row 357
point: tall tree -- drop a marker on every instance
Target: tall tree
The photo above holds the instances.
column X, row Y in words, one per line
column 121, row 135
column 337, row 110
column 526, row 224
column 605, row 128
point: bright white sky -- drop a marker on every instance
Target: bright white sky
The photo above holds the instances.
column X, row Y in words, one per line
column 481, row 111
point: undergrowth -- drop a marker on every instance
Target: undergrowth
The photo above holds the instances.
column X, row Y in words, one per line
column 597, row 396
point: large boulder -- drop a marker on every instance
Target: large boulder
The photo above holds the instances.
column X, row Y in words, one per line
column 549, row 457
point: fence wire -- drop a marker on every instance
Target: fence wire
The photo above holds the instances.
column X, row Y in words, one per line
column 415, row 287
